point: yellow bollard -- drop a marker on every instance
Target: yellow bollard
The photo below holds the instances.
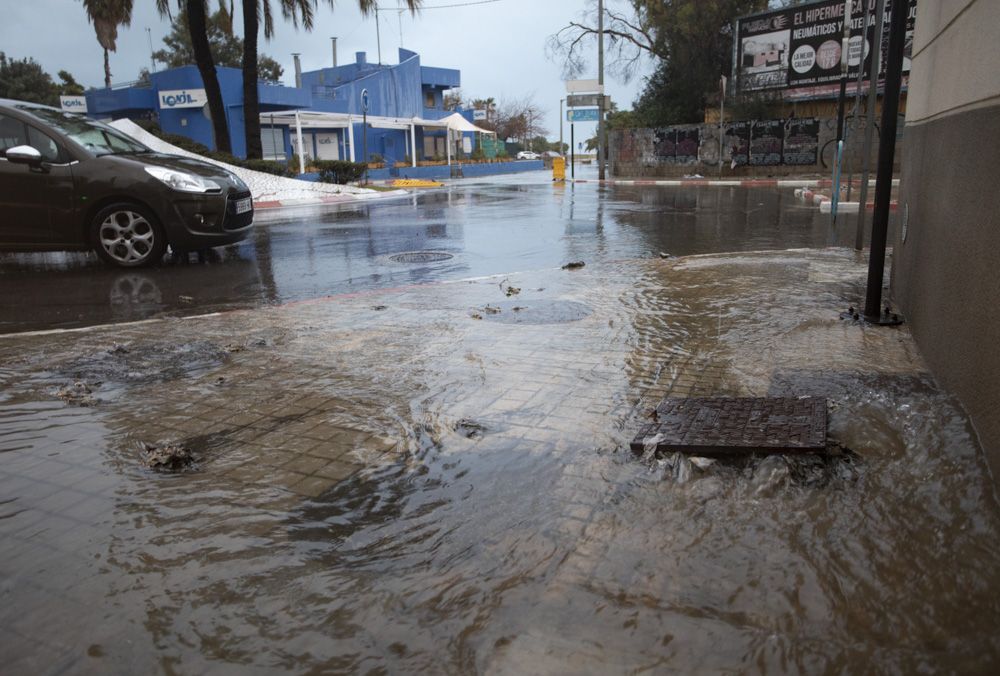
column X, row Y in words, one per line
column 558, row 168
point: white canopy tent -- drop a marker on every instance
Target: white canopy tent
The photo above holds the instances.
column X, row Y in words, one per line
column 311, row 119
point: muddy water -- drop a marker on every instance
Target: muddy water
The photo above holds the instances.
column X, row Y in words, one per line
column 507, row 529
column 507, row 224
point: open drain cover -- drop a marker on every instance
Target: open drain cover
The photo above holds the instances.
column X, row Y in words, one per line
column 725, row 426
column 420, row 257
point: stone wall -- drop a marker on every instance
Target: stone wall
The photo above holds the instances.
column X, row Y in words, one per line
column 947, row 253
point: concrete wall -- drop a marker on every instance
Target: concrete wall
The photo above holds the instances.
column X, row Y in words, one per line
column 633, row 154
column 946, row 270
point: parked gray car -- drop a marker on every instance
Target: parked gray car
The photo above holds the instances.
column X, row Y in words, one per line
column 71, row 183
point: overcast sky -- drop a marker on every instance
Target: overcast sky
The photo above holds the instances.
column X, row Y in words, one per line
column 498, row 45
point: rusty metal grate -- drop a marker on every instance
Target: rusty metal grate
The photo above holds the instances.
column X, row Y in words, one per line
column 420, row 257
column 725, row 425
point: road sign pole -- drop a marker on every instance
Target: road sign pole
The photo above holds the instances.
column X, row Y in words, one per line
column 845, row 44
column 364, row 130
column 722, row 117
column 561, row 126
column 866, row 153
column 601, row 140
column 886, row 155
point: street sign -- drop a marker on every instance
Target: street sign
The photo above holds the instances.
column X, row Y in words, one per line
column 573, row 86
column 587, row 101
column 582, row 115
column 364, row 100
column 583, row 100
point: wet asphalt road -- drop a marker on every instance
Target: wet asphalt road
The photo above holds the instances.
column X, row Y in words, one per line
column 503, row 224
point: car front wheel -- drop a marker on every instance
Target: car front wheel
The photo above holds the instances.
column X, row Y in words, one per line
column 127, row 235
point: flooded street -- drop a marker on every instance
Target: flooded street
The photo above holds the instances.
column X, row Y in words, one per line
column 423, row 465
column 523, row 222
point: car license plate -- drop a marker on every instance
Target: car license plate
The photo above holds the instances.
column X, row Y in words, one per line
column 244, row 205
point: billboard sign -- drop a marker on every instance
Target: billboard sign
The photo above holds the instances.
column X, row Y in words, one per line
column 479, row 114
column 73, row 104
column 577, row 86
column 183, row 98
column 798, row 49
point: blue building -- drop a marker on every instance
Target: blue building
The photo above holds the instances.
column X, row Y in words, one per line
column 405, row 111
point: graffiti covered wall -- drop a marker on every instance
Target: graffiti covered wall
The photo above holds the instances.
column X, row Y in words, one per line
column 749, row 147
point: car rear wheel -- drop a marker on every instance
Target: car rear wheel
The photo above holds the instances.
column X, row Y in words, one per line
column 127, row 235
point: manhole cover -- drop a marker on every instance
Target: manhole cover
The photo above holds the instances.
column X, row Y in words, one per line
column 721, row 426
column 420, row 257
column 534, row 311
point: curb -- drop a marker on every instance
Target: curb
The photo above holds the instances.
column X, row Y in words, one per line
column 825, row 204
column 330, row 199
column 741, row 183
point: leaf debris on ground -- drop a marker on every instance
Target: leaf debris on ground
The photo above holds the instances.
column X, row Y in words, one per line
column 169, row 457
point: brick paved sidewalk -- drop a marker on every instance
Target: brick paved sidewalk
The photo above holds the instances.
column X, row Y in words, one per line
column 294, row 411
column 304, row 395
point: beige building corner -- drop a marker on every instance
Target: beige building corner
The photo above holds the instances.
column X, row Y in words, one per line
column 946, row 273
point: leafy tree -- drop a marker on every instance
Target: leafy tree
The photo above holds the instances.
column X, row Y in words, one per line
column 689, row 42
column 24, row 80
column 516, row 119
column 68, row 86
column 453, row 100
column 107, row 15
column 227, row 48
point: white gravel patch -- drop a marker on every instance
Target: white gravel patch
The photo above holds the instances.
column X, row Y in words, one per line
column 264, row 187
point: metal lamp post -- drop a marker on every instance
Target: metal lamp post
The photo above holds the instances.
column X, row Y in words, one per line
column 561, row 101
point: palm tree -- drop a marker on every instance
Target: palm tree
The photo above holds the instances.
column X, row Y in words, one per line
column 253, row 12
column 107, row 15
column 197, row 27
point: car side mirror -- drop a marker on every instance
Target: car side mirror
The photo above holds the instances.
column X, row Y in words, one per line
column 24, row 155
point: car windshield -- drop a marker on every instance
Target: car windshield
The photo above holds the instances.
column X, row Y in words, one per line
column 96, row 137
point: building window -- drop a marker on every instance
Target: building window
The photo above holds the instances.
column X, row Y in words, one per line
column 429, row 98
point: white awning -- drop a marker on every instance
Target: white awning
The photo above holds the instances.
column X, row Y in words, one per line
column 311, row 119
column 456, row 122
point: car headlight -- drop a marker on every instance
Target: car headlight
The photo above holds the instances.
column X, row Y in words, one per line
column 238, row 181
column 183, row 181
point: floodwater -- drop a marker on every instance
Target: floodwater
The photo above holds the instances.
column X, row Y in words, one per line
column 508, row 530
column 523, row 222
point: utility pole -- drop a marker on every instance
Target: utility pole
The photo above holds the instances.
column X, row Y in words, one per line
column 572, row 150
column 844, row 49
column 601, row 140
column 378, row 36
column 152, row 61
column 722, row 117
column 886, row 155
column 561, row 101
column 873, row 73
